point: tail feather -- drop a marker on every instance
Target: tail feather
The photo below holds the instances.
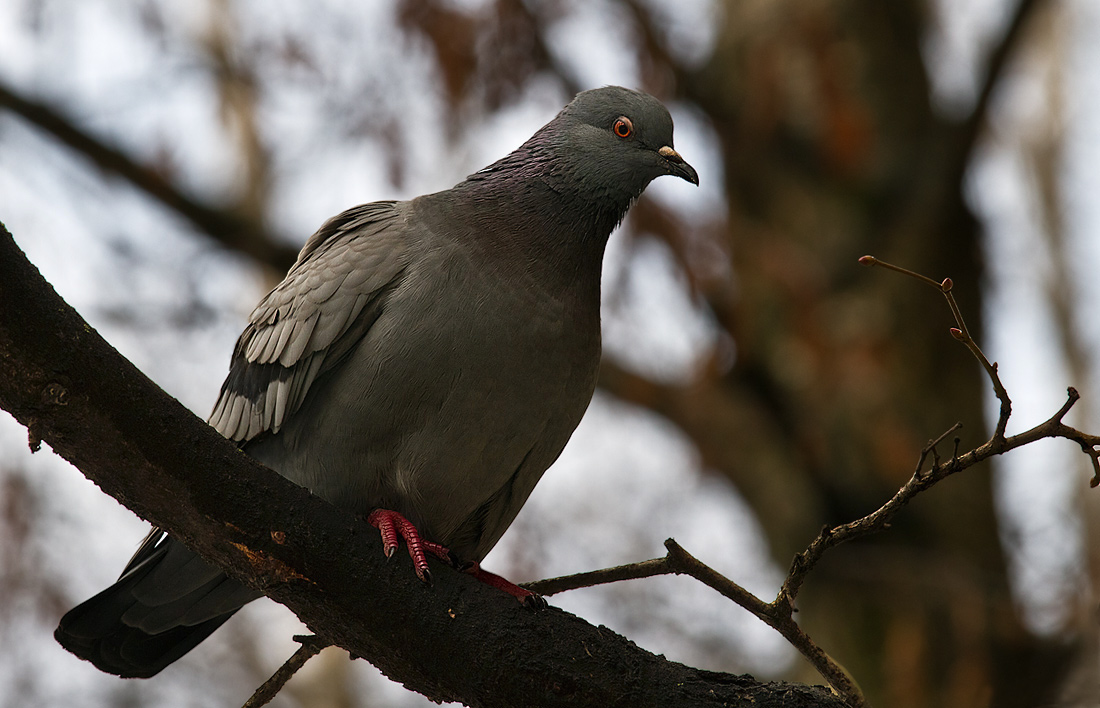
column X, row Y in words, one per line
column 166, row 602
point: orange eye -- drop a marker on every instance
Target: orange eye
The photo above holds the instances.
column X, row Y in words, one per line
column 623, row 127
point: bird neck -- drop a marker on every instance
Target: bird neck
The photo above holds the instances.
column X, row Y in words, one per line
column 529, row 222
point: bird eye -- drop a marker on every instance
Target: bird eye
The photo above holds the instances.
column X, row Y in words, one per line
column 623, row 127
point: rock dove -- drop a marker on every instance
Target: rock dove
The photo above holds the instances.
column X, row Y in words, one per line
column 422, row 364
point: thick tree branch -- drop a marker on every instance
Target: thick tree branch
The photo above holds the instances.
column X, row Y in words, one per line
column 457, row 640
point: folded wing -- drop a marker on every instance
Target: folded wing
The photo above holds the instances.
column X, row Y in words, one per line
column 311, row 320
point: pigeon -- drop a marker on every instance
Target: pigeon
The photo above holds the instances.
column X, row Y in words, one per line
column 422, row 364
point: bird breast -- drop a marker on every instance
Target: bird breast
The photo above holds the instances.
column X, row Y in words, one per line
column 461, row 394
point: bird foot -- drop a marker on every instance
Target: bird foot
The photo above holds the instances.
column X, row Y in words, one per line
column 391, row 524
column 528, row 598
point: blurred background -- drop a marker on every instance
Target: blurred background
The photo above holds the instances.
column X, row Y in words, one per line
column 161, row 161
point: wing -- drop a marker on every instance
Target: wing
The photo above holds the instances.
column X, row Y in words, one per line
column 310, row 321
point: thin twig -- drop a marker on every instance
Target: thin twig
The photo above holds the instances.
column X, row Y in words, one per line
column 779, row 614
column 631, row 571
column 311, row 646
column 687, row 564
column 962, row 334
column 931, row 447
column 998, row 444
column 872, row 261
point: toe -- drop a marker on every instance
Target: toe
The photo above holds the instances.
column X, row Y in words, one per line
column 535, row 602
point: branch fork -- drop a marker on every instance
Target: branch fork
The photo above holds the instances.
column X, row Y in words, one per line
column 779, row 613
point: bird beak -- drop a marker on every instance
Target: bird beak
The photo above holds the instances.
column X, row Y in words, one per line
column 677, row 166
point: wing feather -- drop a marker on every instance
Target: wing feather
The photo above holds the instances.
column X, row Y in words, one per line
column 263, row 345
column 282, row 395
column 280, row 343
column 236, row 412
column 312, row 319
column 299, row 339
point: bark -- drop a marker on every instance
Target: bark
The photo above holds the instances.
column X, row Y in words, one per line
column 454, row 641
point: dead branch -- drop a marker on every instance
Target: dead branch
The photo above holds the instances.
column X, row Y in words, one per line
column 779, row 613
column 311, row 647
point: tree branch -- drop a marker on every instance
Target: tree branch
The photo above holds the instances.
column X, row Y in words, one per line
column 311, row 647
column 996, row 64
column 778, row 614
column 456, row 641
column 226, row 226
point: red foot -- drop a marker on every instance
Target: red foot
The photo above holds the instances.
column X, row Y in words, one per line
column 390, row 524
column 493, row 580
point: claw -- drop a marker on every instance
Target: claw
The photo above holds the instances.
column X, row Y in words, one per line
column 526, row 597
column 535, row 602
column 385, row 525
column 390, row 524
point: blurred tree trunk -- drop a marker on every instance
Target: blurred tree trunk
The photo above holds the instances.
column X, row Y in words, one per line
column 832, row 149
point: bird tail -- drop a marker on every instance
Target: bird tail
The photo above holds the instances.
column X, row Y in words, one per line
column 167, row 600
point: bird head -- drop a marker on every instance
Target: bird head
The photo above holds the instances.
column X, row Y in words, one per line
column 616, row 141
column 597, row 156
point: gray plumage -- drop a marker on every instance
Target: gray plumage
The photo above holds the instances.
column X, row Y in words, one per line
column 431, row 357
